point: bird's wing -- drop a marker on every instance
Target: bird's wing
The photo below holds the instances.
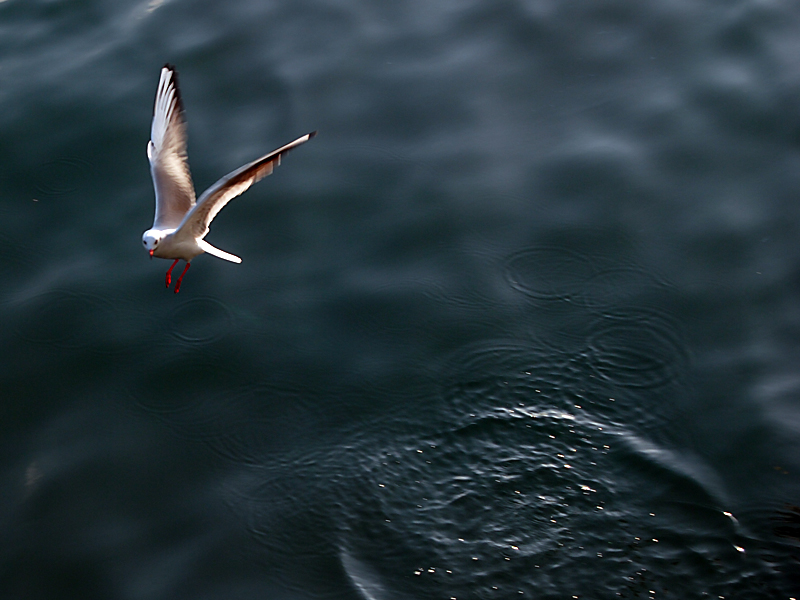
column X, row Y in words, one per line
column 196, row 223
column 167, row 154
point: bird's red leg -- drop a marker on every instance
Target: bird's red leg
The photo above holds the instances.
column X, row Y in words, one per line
column 178, row 285
column 169, row 272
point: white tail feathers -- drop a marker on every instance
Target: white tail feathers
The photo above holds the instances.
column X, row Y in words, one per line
column 206, row 247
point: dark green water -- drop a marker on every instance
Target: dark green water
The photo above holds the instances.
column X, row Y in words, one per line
column 523, row 321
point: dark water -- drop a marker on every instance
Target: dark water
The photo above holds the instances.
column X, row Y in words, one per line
column 522, row 322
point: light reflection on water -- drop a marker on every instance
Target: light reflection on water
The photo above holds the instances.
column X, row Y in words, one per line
column 520, row 323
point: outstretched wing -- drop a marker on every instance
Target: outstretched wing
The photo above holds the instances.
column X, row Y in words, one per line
column 233, row 184
column 167, row 154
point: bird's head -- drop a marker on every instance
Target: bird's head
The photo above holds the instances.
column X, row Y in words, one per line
column 151, row 238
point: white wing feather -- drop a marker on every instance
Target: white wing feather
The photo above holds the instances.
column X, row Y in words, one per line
column 167, row 154
column 196, row 222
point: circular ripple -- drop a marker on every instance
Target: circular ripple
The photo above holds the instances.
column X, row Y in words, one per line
column 549, row 273
column 200, row 320
column 62, row 176
column 16, row 261
column 637, row 349
column 473, row 299
column 623, row 285
column 63, row 319
column 473, row 508
column 249, row 423
column 501, row 375
column 536, row 502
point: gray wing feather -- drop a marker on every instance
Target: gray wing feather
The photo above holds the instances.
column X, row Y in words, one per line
column 196, row 223
column 167, row 154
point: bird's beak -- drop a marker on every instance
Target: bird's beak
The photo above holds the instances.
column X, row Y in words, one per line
column 151, row 252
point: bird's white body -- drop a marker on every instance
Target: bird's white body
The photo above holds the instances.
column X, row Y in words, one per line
column 180, row 222
column 183, row 247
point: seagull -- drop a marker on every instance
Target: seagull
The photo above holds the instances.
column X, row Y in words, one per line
column 181, row 223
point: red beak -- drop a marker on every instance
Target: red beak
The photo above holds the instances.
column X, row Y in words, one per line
column 151, row 253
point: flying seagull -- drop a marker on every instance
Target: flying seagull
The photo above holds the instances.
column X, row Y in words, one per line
column 181, row 223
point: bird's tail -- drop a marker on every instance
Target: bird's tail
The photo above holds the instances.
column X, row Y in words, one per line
column 217, row 252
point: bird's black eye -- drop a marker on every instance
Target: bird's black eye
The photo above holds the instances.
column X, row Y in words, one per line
column 145, row 243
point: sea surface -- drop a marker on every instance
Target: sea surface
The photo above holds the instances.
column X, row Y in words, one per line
column 522, row 322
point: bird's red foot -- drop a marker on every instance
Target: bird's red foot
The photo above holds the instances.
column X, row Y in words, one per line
column 178, row 285
column 169, row 272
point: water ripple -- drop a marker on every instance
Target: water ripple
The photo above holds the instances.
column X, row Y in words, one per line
column 17, row 260
column 200, row 321
column 549, row 273
column 537, row 501
column 65, row 319
column 643, row 349
column 62, row 176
